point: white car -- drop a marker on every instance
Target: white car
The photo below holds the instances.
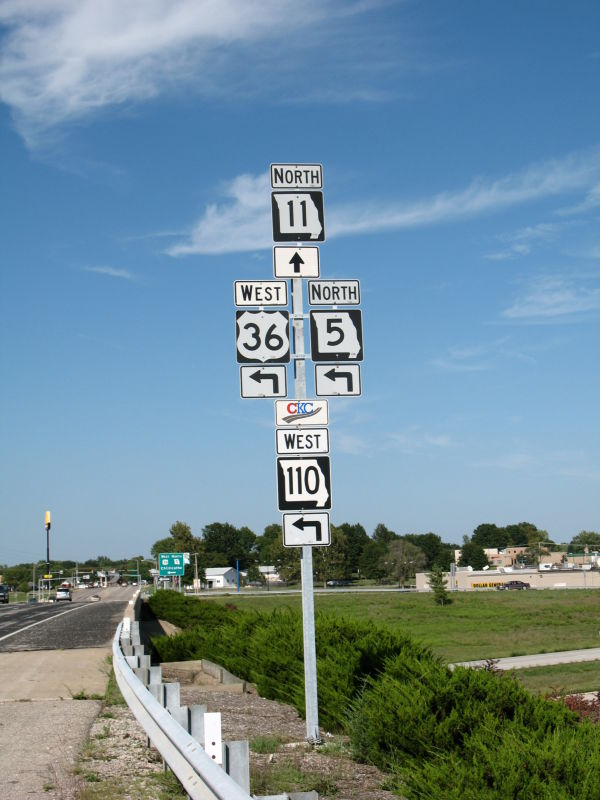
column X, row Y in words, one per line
column 63, row 593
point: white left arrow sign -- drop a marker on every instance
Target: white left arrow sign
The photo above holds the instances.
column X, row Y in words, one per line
column 267, row 381
column 300, row 530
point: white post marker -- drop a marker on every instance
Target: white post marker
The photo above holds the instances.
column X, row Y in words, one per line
column 212, row 736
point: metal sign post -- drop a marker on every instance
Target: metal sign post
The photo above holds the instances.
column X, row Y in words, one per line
column 306, row 565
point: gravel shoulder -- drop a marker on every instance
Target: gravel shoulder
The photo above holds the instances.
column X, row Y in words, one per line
column 117, row 756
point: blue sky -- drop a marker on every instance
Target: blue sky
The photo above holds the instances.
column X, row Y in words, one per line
column 460, row 145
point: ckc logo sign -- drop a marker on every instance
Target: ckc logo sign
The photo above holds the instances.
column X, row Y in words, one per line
column 300, row 408
column 293, row 413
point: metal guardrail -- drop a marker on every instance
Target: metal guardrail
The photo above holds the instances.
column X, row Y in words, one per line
column 199, row 775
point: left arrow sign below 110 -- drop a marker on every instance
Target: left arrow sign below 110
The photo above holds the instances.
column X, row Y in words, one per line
column 300, row 530
column 268, row 381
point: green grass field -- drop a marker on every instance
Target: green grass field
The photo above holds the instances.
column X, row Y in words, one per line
column 562, row 678
column 476, row 625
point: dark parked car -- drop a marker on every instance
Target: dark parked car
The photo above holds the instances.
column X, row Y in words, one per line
column 3, row 593
column 514, row 585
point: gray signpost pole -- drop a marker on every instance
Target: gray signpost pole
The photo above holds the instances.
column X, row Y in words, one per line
column 308, row 603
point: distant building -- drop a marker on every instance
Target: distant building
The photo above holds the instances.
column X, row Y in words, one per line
column 568, row 577
column 512, row 557
column 270, row 574
column 220, row 578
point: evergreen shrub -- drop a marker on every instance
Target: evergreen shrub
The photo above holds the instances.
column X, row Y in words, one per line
column 471, row 734
column 267, row 649
column 442, row 734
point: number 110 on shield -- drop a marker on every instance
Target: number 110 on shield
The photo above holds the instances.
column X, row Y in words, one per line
column 303, row 483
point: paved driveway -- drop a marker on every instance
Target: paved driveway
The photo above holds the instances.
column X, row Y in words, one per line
column 539, row 660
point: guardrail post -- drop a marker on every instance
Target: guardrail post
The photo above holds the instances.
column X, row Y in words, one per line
column 182, row 715
column 236, row 762
column 135, row 633
column 157, row 690
column 172, row 695
column 155, row 675
column 143, row 674
column 193, row 758
column 197, row 713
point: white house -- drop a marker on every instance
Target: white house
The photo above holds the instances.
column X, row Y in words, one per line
column 270, row 574
column 220, row 578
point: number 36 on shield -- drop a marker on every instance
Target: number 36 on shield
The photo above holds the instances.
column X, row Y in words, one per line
column 262, row 336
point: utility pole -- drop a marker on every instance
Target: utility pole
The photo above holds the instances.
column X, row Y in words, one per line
column 47, row 525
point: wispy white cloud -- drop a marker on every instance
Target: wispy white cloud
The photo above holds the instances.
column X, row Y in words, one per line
column 123, row 274
column 61, row 60
column 590, row 201
column 551, row 298
column 352, row 444
column 488, row 355
column 521, row 242
column 581, row 473
column 547, row 179
column 515, row 461
column 464, row 359
column 524, row 458
column 414, row 440
column 241, row 221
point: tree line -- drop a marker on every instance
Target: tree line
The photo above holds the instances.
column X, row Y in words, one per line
column 383, row 557
column 353, row 554
column 22, row 577
column 537, row 543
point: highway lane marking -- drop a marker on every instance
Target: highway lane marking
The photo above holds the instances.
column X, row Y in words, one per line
column 40, row 621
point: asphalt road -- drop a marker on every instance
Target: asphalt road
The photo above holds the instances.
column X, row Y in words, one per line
column 51, row 654
column 63, row 625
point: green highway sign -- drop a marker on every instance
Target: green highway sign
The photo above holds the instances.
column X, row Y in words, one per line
column 170, row 564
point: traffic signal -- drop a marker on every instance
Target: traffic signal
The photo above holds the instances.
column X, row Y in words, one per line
column 47, row 521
